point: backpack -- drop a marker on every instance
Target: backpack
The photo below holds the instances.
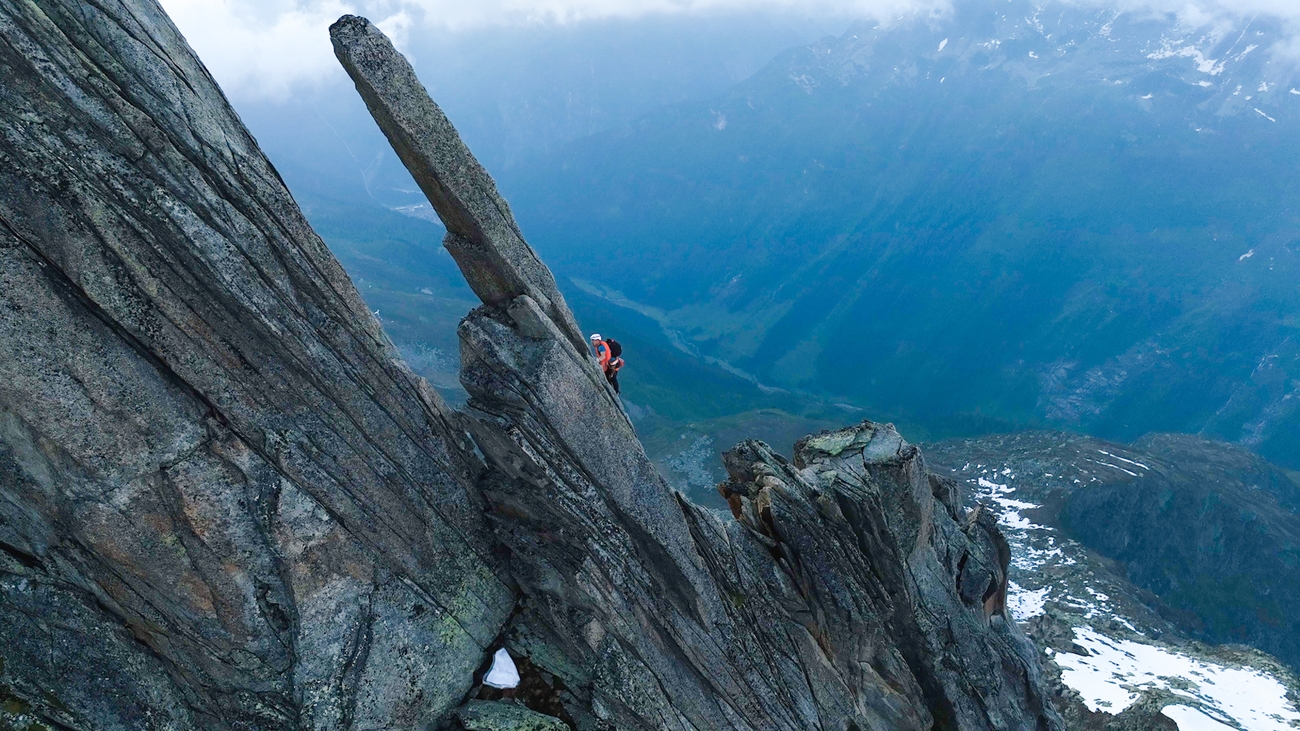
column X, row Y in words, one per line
column 615, row 350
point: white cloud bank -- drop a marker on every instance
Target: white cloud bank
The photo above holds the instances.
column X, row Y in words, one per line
column 263, row 48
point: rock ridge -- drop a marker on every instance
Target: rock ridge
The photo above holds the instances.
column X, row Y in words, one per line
column 226, row 503
column 851, row 590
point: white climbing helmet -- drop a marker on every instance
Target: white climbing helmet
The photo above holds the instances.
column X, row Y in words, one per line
column 595, row 337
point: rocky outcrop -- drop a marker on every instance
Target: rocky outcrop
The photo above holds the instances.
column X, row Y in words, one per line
column 482, row 235
column 850, row 591
column 225, row 503
column 224, row 500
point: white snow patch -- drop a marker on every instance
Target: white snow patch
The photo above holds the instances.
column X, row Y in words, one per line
column 1013, row 520
column 1265, row 116
column 1025, row 604
column 1205, row 84
column 1203, row 64
column 503, row 673
column 1033, row 55
column 1148, row 96
column 1190, row 719
column 1129, row 625
column 1028, row 558
column 1263, row 86
column 1244, row 53
column 1009, row 516
column 1116, row 456
column 805, row 82
column 1117, row 671
column 1246, row 255
column 1114, row 467
column 1296, row 92
column 943, row 43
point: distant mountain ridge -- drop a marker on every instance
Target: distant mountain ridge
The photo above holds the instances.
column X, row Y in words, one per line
column 1127, row 553
column 1023, row 214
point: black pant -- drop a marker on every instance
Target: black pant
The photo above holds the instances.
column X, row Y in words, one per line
column 612, row 377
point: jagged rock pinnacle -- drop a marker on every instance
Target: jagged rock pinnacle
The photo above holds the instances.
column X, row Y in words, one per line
column 482, row 234
column 226, row 504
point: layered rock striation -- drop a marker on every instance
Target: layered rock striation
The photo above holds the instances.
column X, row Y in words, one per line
column 225, row 502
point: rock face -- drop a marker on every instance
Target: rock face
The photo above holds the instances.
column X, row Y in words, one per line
column 482, row 235
column 225, row 503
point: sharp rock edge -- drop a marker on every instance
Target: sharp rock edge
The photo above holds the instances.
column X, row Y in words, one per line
column 225, row 503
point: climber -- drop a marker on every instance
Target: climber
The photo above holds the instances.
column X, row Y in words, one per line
column 610, row 355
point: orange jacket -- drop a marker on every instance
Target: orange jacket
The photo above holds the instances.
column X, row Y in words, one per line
column 603, row 354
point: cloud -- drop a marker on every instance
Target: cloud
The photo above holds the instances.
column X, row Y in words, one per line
column 260, row 48
column 265, row 48
column 459, row 14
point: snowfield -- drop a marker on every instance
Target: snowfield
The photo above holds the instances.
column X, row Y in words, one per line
column 1050, row 572
column 1117, row 671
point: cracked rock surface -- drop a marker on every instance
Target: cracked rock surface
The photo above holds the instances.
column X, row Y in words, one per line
column 225, row 502
column 851, row 591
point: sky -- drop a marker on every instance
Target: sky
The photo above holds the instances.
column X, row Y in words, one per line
column 267, row 48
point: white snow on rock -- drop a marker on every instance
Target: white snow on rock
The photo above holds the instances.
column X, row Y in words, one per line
column 1009, row 514
column 1115, row 673
column 943, row 43
column 1190, row 719
column 1246, row 255
column 1203, row 64
column 503, row 673
column 1024, row 604
column 1113, row 466
column 1262, row 114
